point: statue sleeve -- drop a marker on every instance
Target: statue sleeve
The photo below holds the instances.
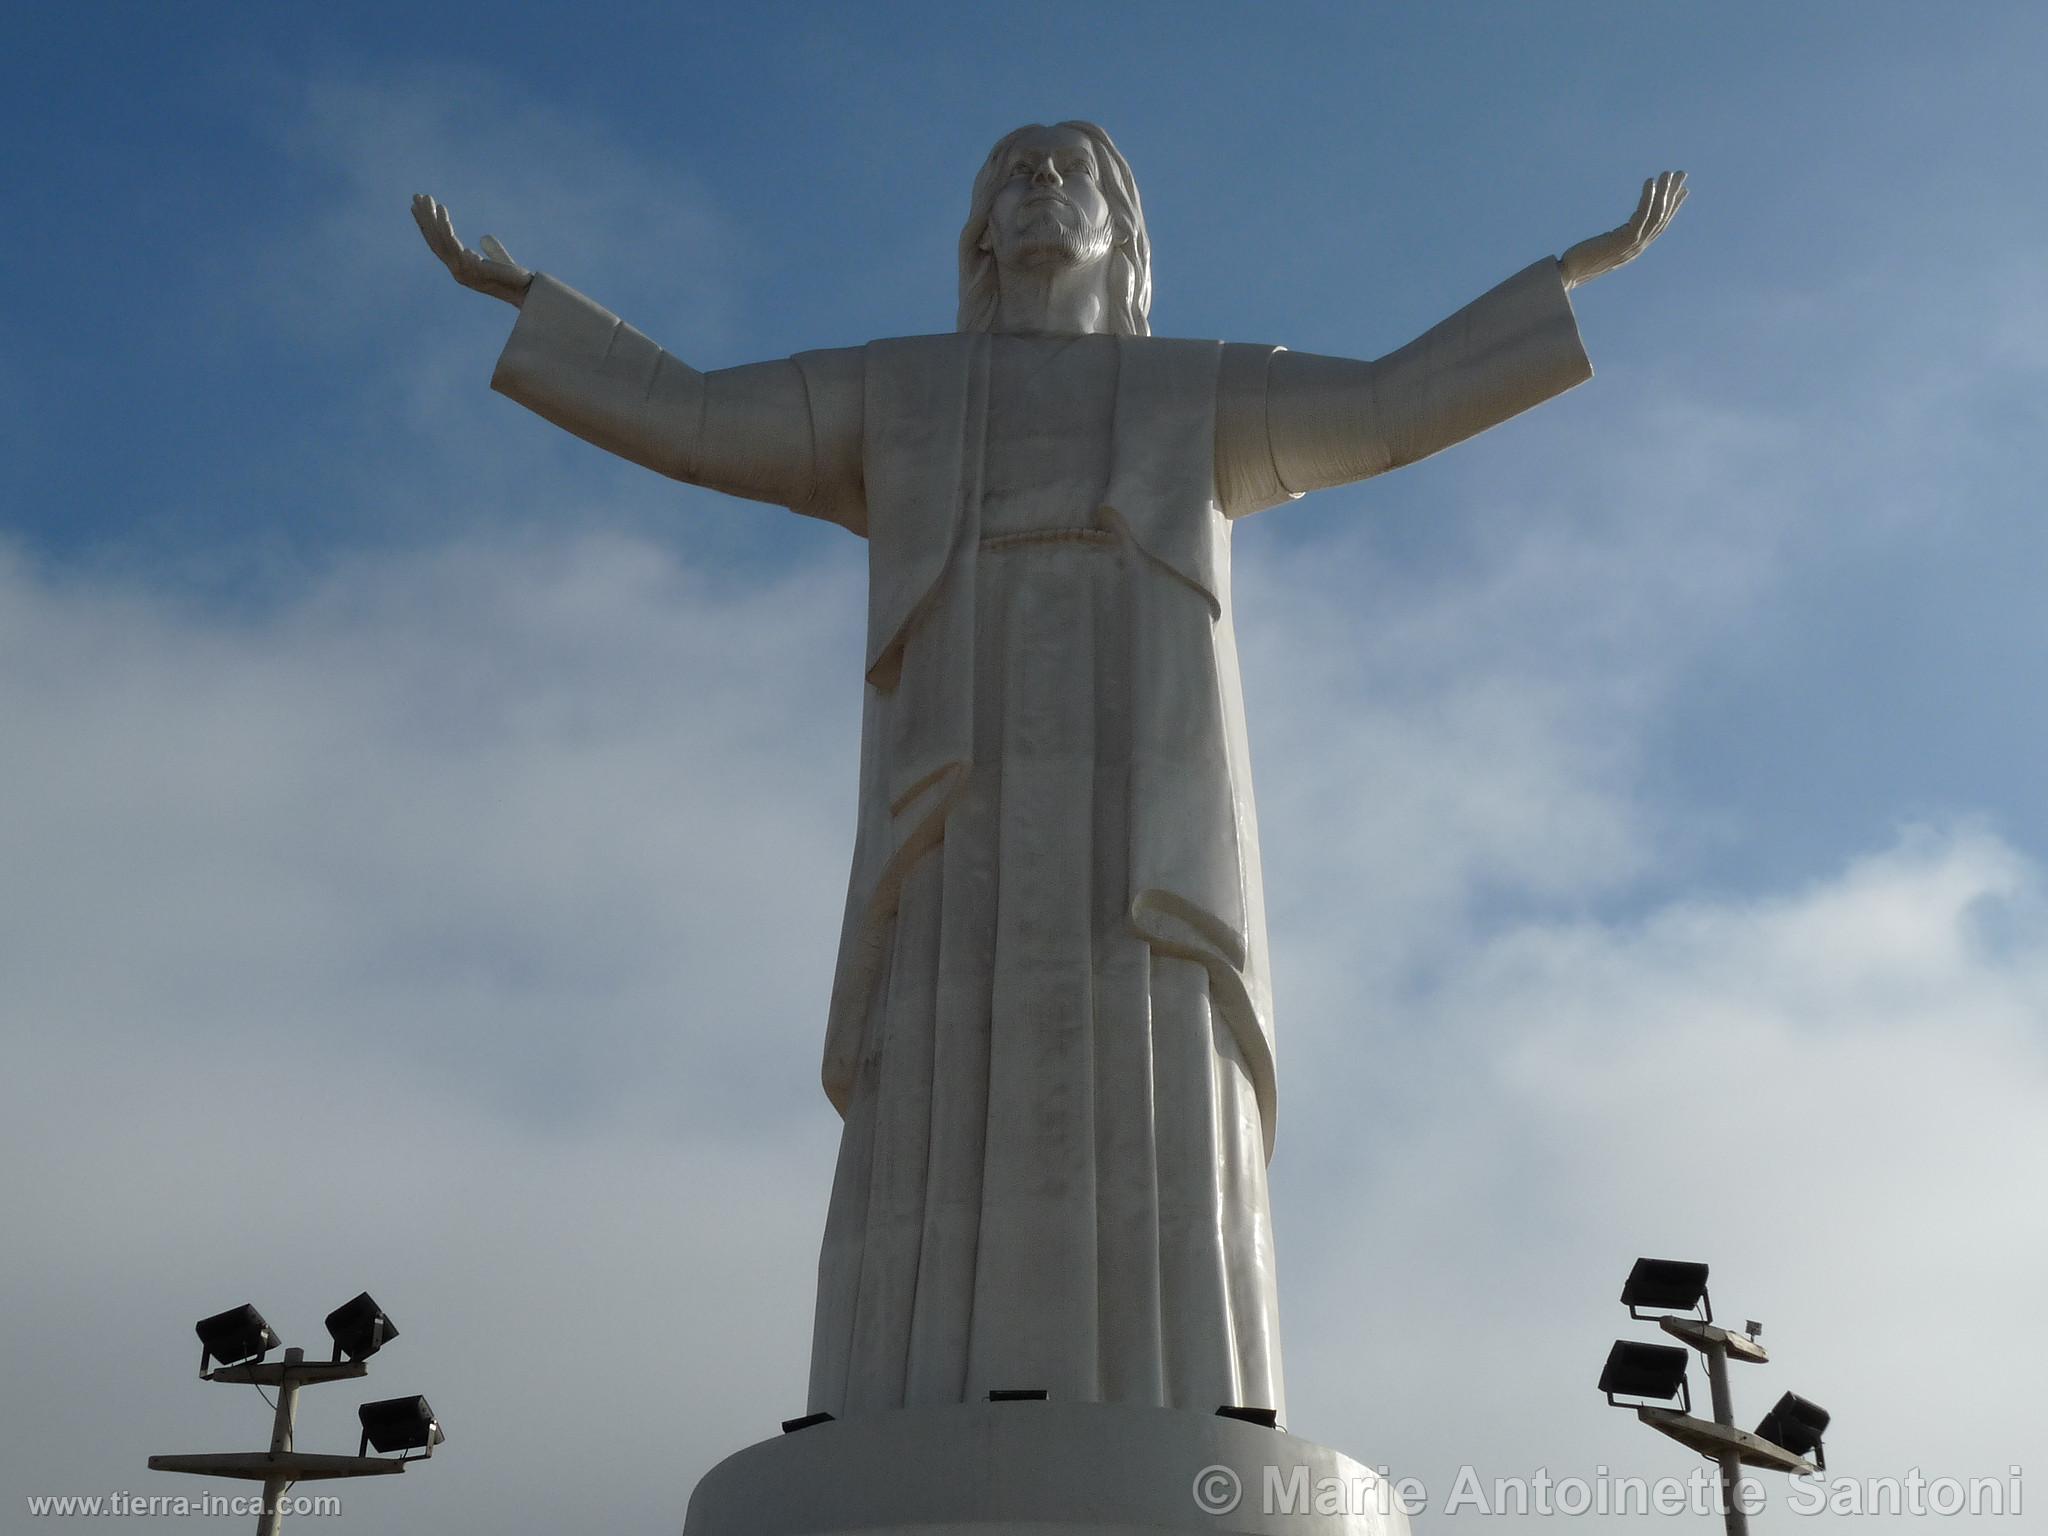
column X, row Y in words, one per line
column 747, row 431
column 1333, row 420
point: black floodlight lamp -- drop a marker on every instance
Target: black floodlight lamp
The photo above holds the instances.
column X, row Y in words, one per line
column 1797, row 1425
column 1017, row 1395
column 360, row 1328
column 1646, row 1370
column 808, row 1421
column 399, row 1424
column 1667, row 1285
column 1265, row 1418
column 233, row 1336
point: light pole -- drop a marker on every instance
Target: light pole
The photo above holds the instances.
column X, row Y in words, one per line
column 239, row 1339
column 1634, row 1370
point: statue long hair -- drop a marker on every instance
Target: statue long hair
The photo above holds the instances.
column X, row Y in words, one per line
column 1130, row 253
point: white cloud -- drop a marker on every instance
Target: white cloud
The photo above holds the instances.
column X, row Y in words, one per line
column 460, row 927
column 1832, row 1095
column 485, row 813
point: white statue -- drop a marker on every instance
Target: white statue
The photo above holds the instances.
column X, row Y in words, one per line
column 1050, row 1033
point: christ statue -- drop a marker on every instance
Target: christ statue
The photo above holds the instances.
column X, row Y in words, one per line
column 1050, row 1034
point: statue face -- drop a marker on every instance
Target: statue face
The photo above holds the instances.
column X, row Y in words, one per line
column 1050, row 207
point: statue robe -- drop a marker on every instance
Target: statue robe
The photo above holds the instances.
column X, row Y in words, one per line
column 1050, row 1032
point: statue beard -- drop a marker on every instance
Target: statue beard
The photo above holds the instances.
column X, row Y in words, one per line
column 1051, row 241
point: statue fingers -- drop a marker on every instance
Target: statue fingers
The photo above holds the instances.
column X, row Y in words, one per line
column 1672, row 193
column 429, row 215
column 467, row 266
column 1646, row 207
column 1649, row 217
column 1667, row 193
column 494, row 249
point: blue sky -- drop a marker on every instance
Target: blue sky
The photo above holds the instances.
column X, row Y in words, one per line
column 349, row 713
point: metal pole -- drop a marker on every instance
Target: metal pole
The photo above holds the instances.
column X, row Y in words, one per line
column 1732, row 1512
column 282, row 1429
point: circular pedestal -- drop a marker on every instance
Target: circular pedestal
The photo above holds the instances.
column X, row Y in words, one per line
column 1041, row 1469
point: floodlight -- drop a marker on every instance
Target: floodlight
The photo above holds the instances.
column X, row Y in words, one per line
column 1017, row 1395
column 1797, row 1425
column 233, row 1336
column 1265, row 1418
column 360, row 1328
column 400, row 1424
column 808, row 1421
column 1646, row 1370
column 1666, row 1285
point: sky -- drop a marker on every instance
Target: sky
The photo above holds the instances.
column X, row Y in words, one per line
column 422, row 838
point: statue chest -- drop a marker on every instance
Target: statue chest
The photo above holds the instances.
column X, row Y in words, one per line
column 1051, row 413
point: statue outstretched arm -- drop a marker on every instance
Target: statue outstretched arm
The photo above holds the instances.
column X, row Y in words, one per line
column 749, row 431
column 1331, row 420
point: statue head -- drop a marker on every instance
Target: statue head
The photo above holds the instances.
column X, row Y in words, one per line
column 1058, row 194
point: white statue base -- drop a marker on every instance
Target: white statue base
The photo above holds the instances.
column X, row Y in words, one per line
column 1041, row 1469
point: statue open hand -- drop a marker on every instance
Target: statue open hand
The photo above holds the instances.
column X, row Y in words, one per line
column 1662, row 196
column 494, row 272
